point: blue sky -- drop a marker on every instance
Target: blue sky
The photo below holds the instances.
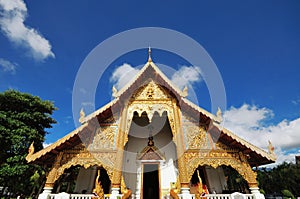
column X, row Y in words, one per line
column 254, row 44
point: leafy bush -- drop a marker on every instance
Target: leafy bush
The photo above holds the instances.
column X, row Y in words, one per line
column 287, row 194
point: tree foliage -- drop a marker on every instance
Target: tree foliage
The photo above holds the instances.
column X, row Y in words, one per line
column 283, row 179
column 23, row 119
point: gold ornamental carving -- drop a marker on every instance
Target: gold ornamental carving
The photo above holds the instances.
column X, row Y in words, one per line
column 53, row 175
column 86, row 163
column 98, row 187
column 79, row 155
column 150, row 91
column 104, row 138
column 196, row 137
column 216, row 158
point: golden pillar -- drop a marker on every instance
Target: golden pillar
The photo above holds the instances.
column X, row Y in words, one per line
column 183, row 177
column 117, row 173
column 51, row 177
column 247, row 172
column 53, row 174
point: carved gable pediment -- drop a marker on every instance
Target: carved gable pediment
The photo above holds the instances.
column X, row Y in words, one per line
column 151, row 155
column 151, row 91
column 150, row 152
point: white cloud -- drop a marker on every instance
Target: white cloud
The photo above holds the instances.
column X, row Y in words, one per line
column 283, row 156
column 46, row 144
column 249, row 123
column 186, row 75
column 296, row 102
column 122, row 75
column 249, row 117
column 8, row 66
column 13, row 14
column 85, row 104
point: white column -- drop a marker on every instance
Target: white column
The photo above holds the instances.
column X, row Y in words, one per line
column 256, row 193
column 185, row 193
column 115, row 192
column 138, row 180
column 46, row 192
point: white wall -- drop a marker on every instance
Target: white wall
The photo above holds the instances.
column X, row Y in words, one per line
column 216, row 179
column 86, row 179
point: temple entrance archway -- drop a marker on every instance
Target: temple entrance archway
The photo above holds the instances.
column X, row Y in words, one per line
column 67, row 181
column 150, row 186
column 235, row 182
column 140, row 151
column 223, row 179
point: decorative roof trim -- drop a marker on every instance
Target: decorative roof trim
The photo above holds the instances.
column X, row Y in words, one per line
column 201, row 110
column 100, row 110
column 38, row 154
column 156, row 69
column 246, row 144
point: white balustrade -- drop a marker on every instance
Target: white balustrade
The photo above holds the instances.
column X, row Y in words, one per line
column 73, row 196
column 218, row 196
column 235, row 195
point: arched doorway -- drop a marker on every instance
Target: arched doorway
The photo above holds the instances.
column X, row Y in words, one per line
column 80, row 180
column 104, row 180
column 151, row 186
column 162, row 160
column 235, row 182
column 67, row 181
column 199, row 182
column 223, row 179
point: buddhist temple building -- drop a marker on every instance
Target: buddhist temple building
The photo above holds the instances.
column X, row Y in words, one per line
column 151, row 142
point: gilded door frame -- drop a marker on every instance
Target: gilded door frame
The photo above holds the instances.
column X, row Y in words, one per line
column 142, row 176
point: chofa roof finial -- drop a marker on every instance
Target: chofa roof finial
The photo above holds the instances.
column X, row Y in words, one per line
column 149, row 54
column 82, row 116
column 219, row 115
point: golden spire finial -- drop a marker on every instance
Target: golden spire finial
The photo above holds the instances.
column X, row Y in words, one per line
column 149, row 54
column 30, row 151
column 219, row 115
column 82, row 116
column 31, row 148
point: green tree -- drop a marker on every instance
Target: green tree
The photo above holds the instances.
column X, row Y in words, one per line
column 284, row 178
column 23, row 120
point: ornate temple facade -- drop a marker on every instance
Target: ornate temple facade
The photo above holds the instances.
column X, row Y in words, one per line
column 150, row 141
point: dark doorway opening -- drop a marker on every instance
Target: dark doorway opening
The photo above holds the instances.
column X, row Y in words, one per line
column 150, row 181
column 105, row 181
